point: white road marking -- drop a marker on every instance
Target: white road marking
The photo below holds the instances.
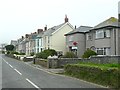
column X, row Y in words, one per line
column 18, row 71
column 32, row 83
column 10, row 65
column 5, row 61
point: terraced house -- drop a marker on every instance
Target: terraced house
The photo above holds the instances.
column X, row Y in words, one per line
column 53, row 38
column 104, row 38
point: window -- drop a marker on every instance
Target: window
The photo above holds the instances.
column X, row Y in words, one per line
column 70, row 38
column 99, row 34
column 89, row 36
column 38, row 42
column 102, row 33
column 103, row 51
column 107, row 32
column 37, row 50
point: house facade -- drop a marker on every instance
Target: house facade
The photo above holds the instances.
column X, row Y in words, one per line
column 54, row 37
column 104, row 38
column 76, row 40
column 20, row 47
column 38, row 41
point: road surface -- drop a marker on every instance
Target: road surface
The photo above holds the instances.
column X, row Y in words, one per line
column 17, row 74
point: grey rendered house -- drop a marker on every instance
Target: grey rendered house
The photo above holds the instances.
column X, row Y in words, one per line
column 76, row 40
column 104, row 38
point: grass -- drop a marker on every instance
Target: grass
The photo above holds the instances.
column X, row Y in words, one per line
column 103, row 74
column 102, row 66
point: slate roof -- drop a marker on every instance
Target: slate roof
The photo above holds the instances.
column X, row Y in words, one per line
column 111, row 22
column 52, row 29
column 81, row 29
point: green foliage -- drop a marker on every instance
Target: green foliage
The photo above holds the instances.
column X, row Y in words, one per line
column 9, row 47
column 21, row 53
column 17, row 53
column 14, row 52
column 88, row 53
column 44, row 54
column 3, row 52
column 32, row 54
column 69, row 55
column 8, row 52
column 107, row 77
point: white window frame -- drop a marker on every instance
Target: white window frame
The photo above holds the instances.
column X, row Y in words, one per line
column 105, row 50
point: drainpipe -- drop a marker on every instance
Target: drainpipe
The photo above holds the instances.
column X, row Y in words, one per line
column 115, row 39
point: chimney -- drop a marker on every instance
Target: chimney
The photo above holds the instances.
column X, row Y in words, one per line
column 26, row 36
column 75, row 26
column 39, row 31
column 22, row 37
column 35, row 33
column 45, row 28
column 66, row 19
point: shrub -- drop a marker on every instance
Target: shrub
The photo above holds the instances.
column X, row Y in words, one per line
column 32, row 54
column 8, row 52
column 69, row 55
column 44, row 54
column 3, row 52
column 107, row 77
column 88, row 53
column 14, row 52
column 21, row 53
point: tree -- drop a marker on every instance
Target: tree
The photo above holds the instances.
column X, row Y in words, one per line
column 9, row 47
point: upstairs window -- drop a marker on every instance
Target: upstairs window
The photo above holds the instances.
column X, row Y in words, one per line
column 89, row 36
column 102, row 34
column 99, row 34
column 70, row 38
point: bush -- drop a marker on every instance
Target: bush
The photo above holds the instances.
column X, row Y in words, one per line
column 44, row 54
column 69, row 55
column 107, row 77
column 8, row 52
column 14, row 52
column 21, row 54
column 32, row 54
column 3, row 52
column 88, row 53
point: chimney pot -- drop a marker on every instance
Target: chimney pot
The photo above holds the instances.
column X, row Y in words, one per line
column 66, row 19
column 75, row 26
column 22, row 37
column 45, row 28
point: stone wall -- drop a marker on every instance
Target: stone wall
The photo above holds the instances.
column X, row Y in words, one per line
column 60, row 62
column 41, row 62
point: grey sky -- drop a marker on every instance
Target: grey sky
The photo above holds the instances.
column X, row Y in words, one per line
column 19, row 17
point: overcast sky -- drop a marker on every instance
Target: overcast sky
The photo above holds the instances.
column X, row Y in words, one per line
column 19, row 17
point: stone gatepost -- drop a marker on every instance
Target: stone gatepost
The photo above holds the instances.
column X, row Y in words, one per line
column 52, row 62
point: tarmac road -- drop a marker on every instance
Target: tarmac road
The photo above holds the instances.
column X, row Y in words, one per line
column 17, row 74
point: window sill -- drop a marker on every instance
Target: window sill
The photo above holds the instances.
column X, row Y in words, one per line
column 102, row 38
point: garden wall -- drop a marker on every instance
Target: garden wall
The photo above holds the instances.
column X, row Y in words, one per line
column 60, row 62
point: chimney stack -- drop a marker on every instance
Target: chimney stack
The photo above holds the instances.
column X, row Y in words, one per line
column 26, row 36
column 75, row 26
column 22, row 37
column 39, row 31
column 45, row 28
column 66, row 19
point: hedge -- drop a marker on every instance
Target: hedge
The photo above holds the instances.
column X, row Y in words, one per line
column 107, row 77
